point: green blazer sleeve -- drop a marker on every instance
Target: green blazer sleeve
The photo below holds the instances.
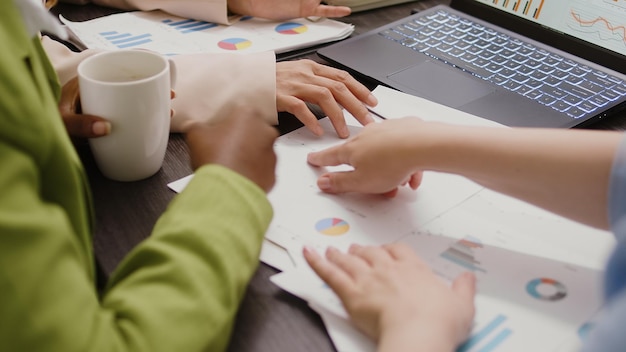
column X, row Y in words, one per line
column 177, row 291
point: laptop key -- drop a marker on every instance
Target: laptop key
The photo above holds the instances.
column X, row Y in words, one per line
column 552, row 91
column 610, row 94
column 587, row 106
column 546, row 99
column 599, row 100
column 575, row 112
column 603, row 81
column 572, row 99
column 511, row 85
column 533, row 94
column 596, row 88
column 409, row 42
column 576, row 90
column 621, row 89
column 560, row 105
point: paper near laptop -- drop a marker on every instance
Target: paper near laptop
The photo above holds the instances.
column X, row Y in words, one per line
column 536, row 63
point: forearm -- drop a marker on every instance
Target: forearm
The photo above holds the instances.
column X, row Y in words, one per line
column 414, row 339
column 564, row 171
column 192, row 273
column 212, row 86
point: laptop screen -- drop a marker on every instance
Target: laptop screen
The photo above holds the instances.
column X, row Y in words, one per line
column 600, row 22
column 591, row 29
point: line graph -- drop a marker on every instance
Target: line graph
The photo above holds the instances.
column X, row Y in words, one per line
column 602, row 29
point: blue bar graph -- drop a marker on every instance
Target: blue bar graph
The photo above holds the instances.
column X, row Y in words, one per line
column 188, row 26
column 126, row 40
column 487, row 333
column 495, row 342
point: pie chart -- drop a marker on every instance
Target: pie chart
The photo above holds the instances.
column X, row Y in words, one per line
column 234, row 43
column 291, row 28
column 546, row 289
column 332, row 227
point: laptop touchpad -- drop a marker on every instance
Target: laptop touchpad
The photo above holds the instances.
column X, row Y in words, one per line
column 445, row 85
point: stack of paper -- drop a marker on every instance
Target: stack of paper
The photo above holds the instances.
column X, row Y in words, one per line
column 170, row 35
column 538, row 274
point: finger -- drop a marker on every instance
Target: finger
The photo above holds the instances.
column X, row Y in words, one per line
column 332, row 156
column 372, row 255
column 400, row 251
column 301, row 111
column 358, row 89
column 86, row 126
column 331, row 93
column 318, row 93
column 342, row 182
column 350, row 264
column 69, row 97
column 350, row 181
column 465, row 286
column 348, row 92
column 331, row 11
column 338, row 280
column 329, row 105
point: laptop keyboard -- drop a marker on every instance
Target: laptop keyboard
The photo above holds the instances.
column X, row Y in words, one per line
column 535, row 73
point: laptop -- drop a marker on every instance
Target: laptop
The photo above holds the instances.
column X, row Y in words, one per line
column 527, row 63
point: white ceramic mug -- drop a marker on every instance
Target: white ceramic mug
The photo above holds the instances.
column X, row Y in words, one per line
column 131, row 89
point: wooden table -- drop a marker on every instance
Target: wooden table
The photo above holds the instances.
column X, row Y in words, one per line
column 269, row 319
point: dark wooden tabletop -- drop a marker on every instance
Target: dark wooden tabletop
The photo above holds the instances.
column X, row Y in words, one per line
column 269, row 318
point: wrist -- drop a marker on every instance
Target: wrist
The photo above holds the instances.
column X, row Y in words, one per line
column 418, row 337
column 237, row 7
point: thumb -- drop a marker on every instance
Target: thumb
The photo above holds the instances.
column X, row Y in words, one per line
column 86, row 126
column 337, row 182
column 331, row 156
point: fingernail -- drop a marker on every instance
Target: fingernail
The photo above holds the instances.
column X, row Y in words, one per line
column 345, row 132
column 323, row 183
column 331, row 250
column 318, row 130
column 354, row 247
column 371, row 100
column 369, row 117
column 307, row 250
column 101, row 128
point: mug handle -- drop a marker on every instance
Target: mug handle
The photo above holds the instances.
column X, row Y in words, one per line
column 173, row 73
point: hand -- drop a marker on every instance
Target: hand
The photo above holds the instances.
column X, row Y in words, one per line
column 330, row 88
column 381, row 156
column 394, row 297
column 282, row 10
column 242, row 142
column 79, row 125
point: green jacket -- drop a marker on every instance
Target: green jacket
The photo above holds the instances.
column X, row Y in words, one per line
column 179, row 290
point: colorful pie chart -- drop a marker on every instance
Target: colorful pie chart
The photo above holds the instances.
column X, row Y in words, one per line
column 291, row 28
column 234, row 44
column 546, row 289
column 332, row 227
